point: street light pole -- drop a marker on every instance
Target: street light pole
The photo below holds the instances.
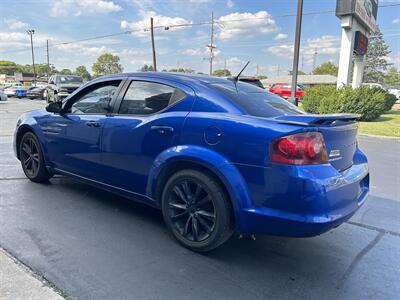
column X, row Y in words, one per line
column 296, row 51
column 152, row 45
column 31, row 32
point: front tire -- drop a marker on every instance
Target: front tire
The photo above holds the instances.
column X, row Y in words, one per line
column 31, row 156
column 197, row 210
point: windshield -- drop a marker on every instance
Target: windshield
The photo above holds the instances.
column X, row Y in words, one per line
column 257, row 102
column 69, row 80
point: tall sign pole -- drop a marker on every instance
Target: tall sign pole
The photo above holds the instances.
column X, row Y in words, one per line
column 358, row 21
column 152, row 45
column 296, row 51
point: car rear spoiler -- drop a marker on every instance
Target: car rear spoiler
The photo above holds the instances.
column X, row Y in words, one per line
column 318, row 120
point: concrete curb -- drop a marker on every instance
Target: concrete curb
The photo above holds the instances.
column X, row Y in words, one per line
column 380, row 136
column 17, row 281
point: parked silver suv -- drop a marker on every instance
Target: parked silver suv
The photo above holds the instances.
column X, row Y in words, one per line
column 60, row 86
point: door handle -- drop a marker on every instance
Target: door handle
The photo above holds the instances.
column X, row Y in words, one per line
column 93, row 124
column 162, row 129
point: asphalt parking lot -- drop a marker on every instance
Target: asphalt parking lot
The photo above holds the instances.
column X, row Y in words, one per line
column 95, row 245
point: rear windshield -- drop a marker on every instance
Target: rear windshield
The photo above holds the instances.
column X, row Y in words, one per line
column 257, row 102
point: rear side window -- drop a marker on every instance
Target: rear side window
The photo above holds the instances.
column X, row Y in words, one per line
column 145, row 98
column 258, row 102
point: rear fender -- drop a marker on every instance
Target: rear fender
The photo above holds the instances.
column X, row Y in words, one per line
column 209, row 159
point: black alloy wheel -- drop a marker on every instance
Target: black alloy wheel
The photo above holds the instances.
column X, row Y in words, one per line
column 192, row 211
column 197, row 210
column 32, row 158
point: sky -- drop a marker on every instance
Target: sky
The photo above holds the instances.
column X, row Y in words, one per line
column 261, row 31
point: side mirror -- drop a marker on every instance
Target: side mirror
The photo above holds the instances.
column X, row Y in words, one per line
column 54, row 107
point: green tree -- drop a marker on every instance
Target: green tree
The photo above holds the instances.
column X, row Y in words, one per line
column 375, row 59
column 392, row 77
column 66, row 72
column 181, row 70
column 327, row 68
column 8, row 67
column 83, row 72
column 222, row 73
column 261, row 77
column 146, row 68
column 299, row 72
column 107, row 64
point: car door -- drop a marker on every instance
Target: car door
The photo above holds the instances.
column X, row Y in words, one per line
column 74, row 137
column 148, row 120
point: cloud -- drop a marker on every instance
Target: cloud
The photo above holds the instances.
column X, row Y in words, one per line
column 325, row 45
column 281, row 36
column 396, row 21
column 199, row 1
column 15, row 24
column 239, row 25
column 140, row 28
column 64, row 8
column 20, row 40
column 80, row 49
column 230, row 3
column 204, row 52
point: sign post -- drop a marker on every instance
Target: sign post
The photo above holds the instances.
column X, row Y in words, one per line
column 358, row 20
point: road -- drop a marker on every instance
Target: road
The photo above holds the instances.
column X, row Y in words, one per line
column 95, row 245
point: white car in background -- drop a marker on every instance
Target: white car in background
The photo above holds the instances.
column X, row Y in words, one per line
column 10, row 91
column 3, row 96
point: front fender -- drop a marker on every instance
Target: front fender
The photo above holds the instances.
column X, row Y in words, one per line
column 214, row 162
column 29, row 123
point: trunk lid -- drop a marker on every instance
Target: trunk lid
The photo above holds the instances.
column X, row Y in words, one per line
column 339, row 131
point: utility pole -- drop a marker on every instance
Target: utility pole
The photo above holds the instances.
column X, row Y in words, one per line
column 314, row 59
column 278, row 69
column 296, row 50
column 224, row 64
column 257, row 70
column 31, row 32
column 211, row 45
column 152, row 45
column 48, row 61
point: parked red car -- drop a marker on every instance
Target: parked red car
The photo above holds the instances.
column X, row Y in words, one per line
column 284, row 90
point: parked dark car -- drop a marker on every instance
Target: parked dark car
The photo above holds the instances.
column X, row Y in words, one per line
column 216, row 156
column 61, row 86
column 37, row 93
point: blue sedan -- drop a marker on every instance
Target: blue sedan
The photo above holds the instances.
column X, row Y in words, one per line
column 217, row 156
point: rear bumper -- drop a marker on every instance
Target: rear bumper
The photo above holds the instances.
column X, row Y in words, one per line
column 305, row 201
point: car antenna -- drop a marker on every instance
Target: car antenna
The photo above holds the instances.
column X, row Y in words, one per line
column 236, row 78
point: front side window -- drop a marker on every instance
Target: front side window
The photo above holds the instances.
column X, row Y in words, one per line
column 145, row 98
column 96, row 100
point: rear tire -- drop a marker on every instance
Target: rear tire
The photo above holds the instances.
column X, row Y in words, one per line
column 32, row 161
column 197, row 210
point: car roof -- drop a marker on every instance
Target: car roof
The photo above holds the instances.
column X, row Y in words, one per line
column 200, row 78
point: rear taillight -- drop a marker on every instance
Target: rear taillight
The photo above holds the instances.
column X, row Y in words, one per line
column 307, row 148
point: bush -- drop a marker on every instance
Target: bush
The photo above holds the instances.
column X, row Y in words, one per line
column 313, row 97
column 369, row 103
column 390, row 100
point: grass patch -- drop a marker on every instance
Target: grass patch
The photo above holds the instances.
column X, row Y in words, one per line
column 387, row 124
